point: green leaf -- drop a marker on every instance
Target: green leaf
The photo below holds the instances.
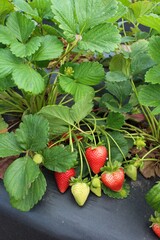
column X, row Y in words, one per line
column 153, row 197
column 88, row 73
column 117, row 143
column 91, row 13
column 101, row 38
column 126, row 2
column 153, row 75
column 3, row 125
column 149, row 95
column 25, row 49
column 9, row 145
column 26, row 78
column 115, row 120
column 113, row 104
column 19, row 177
column 81, row 108
column 154, row 46
column 120, row 64
column 5, row 8
column 141, row 8
column 33, row 133
column 140, row 59
column 6, row 36
column 8, row 62
column 156, row 111
column 25, row 7
column 59, row 158
column 152, row 21
column 122, row 9
column 35, row 194
column 52, row 30
column 59, row 118
column 64, row 14
column 20, row 26
column 116, row 77
column 123, row 193
column 50, row 48
column 121, row 90
column 76, row 17
column 43, row 8
column 6, row 83
column 78, row 90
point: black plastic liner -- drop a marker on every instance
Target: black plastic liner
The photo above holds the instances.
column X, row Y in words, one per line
column 58, row 217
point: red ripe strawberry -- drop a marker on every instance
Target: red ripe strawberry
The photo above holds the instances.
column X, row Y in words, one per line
column 63, row 178
column 96, row 157
column 156, row 229
column 113, row 180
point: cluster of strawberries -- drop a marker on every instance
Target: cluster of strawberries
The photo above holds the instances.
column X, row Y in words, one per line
column 96, row 158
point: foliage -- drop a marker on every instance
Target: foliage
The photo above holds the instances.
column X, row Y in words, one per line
column 76, row 74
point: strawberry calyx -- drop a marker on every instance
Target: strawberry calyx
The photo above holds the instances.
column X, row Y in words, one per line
column 155, row 219
column 74, row 180
column 111, row 168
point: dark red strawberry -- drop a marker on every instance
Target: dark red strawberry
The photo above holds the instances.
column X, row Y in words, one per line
column 63, row 178
column 113, row 180
column 96, row 157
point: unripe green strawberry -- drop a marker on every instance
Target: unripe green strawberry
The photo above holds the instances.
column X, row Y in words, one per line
column 131, row 171
column 80, row 191
column 97, row 191
column 96, row 182
column 140, row 142
column 38, row 158
column 96, row 186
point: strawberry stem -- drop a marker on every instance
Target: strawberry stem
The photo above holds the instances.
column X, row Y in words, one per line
column 89, row 170
column 70, row 139
column 92, row 132
column 81, row 159
column 117, row 146
column 143, row 158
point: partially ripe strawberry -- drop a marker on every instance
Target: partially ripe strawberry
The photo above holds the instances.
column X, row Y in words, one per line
column 113, row 180
column 156, row 229
column 96, row 157
column 80, row 191
column 63, row 179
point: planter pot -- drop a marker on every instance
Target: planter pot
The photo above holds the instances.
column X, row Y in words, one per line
column 57, row 216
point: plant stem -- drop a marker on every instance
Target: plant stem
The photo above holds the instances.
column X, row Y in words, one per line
column 150, row 151
column 147, row 115
column 81, row 159
column 89, row 170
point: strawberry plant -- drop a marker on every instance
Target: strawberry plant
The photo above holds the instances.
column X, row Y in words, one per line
column 81, row 81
